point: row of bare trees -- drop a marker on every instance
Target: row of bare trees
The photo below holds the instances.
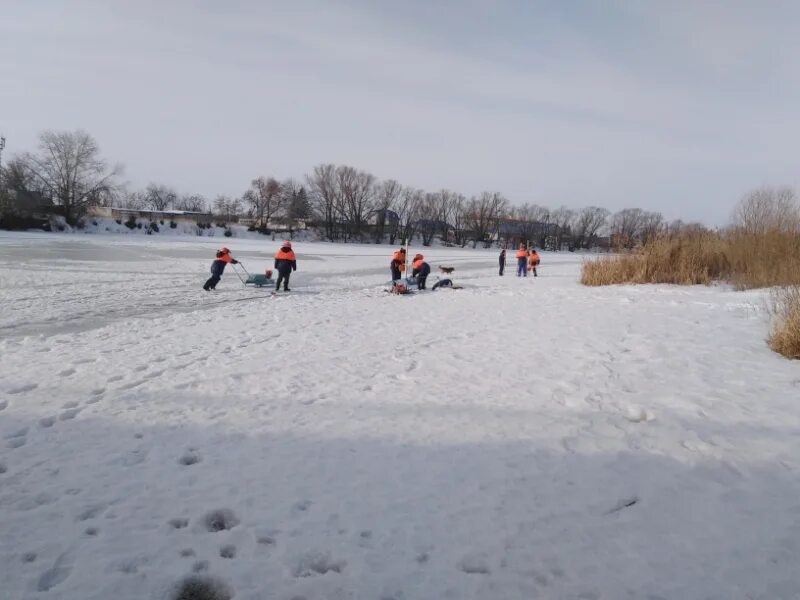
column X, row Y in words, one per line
column 346, row 203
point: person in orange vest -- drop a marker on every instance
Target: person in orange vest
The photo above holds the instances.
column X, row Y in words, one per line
column 522, row 261
column 218, row 267
column 398, row 264
column 533, row 261
column 285, row 263
column 420, row 269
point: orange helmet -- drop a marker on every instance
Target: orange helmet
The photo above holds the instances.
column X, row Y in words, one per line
column 418, row 257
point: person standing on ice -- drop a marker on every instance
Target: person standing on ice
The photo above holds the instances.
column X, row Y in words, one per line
column 398, row 264
column 533, row 261
column 522, row 261
column 502, row 261
column 285, row 263
column 218, row 267
column 420, row 269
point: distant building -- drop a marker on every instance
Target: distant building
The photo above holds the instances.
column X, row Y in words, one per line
column 29, row 204
column 123, row 214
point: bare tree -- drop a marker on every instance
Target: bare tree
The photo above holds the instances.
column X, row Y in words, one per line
column 325, row 196
column 457, row 216
column 265, row 198
column 652, row 227
column 69, row 169
column 191, row 203
column 227, row 208
column 588, row 223
column 357, row 195
column 766, row 209
column 626, row 227
column 408, row 211
column 386, row 196
column 159, row 197
column 483, row 216
column 563, row 218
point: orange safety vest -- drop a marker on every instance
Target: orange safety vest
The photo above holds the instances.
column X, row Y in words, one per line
column 534, row 259
column 522, row 253
column 226, row 258
column 281, row 255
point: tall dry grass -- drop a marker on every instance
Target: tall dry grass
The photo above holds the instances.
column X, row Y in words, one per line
column 785, row 336
column 696, row 257
column 745, row 259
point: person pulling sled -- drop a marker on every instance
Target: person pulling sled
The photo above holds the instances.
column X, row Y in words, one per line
column 218, row 267
column 285, row 263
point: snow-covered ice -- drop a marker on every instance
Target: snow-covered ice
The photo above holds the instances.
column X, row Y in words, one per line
column 515, row 439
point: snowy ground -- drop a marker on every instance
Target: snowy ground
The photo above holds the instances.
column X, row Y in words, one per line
column 515, row 439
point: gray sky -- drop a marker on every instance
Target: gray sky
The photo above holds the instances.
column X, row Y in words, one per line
column 667, row 105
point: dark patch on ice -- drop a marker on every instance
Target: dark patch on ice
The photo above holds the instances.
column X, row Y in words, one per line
column 178, row 523
column 16, row 442
column 228, row 551
column 302, row 506
column 188, row 552
column 266, row 540
column 47, row 422
column 474, row 565
column 220, row 520
column 622, row 504
column 92, row 531
column 138, row 436
column 202, row 587
column 200, row 566
column 422, row 558
column 29, row 557
column 3, row 468
column 4, row 405
column 317, row 563
column 188, row 459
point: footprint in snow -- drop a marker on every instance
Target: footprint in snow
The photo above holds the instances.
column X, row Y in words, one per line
column 16, row 442
column 18, row 434
column 68, row 415
column 114, row 378
column 56, row 574
column 66, row 372
column 474, row 565
column 23, row 388
column 4, row 405
column 71, row 404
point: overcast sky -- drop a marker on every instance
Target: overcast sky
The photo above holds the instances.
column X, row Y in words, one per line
column 666, row 105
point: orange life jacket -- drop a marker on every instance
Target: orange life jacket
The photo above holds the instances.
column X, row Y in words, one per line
column 522, row 253
column 226, row 257
column 534, row 258
column 281, row 255
column 400, row 257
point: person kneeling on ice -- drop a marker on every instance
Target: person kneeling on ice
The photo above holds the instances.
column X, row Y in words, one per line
column 218, row 267
column 522, row 261
column 285, row 263
column 420, row 269
column 533, row 262
column 398, row 264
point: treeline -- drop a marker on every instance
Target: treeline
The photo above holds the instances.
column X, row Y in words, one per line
column 342, row 202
